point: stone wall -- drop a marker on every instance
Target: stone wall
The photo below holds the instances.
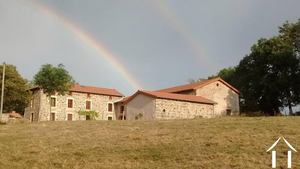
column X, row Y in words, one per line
column 226, row 98
column 118, row 114
column 99, row 103
column 34, row 106
column 140, row 104
column 175, row 109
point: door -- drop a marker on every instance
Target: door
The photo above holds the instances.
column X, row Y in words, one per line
column 121, row 109
column 70, row 116
column 52, row 117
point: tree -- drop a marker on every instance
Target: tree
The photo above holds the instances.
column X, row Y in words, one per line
column 269, row 76
column 15, row 96
column 226, row 74
column 53, row 79
column 290, row 33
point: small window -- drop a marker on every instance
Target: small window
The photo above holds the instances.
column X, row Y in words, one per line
column 164, row 110
column 87, row 117
column 109, row 118
column 31, row 103
column 53, row 102
column 70, row 103
column 52, row 117
column 217, row 84
column 88, row 95
column 110, row 98
column 88, row 105
column 228, row 112
column 110, row 107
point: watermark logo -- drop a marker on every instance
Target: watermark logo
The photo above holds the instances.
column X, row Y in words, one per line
column 274, row 153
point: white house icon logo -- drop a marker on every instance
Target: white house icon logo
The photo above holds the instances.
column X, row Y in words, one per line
column 274, row 153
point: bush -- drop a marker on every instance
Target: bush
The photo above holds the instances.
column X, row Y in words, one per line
column 138, row 116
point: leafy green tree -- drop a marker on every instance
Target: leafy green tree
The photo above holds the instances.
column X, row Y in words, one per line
column 53, row 79
column 290, row 33
column 226, row 74
column 15, row 96
column 269, row 77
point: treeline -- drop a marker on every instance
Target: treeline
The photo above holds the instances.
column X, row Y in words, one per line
column 268, row 77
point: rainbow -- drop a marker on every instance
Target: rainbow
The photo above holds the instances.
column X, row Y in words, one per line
column 87, row 39
column 184, row 33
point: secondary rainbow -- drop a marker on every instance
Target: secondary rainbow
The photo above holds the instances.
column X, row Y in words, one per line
column 184, row 33
column 88, row 39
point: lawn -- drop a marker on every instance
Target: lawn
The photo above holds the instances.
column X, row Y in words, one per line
column 232, row 142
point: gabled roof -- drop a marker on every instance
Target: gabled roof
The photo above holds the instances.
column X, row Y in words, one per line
column 194, row 86
column 124, row 99
column 92, row 90
column 172, row 96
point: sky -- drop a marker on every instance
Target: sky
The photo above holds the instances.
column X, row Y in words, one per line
column 136, row 44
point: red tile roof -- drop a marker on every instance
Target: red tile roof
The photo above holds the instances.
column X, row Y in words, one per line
column 182, row 97
column 122, row 100
column 194, row 86
column 92, row 90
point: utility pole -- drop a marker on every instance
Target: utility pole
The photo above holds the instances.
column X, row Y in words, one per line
column 2, row 93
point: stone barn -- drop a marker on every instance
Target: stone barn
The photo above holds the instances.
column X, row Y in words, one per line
column 146, row 105
column 217, row 90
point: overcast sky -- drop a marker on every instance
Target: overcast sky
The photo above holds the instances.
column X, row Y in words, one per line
column 160, row 43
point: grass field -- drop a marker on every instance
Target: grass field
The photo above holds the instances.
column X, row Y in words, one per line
column 233, row 142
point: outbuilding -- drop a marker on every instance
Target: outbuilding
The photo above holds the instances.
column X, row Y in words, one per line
column 147, row 105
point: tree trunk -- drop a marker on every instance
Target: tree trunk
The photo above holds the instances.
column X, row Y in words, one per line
column 290, row 108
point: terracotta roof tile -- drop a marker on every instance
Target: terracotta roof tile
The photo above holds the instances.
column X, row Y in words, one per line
column 182, row 97
column 194, row 86
column 92, row 90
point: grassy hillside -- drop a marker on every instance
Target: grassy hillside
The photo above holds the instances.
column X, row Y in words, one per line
column 233, row 142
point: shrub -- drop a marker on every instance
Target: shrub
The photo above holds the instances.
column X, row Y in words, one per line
column 138, row 116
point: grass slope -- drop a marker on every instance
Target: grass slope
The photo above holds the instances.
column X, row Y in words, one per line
column 233, row 142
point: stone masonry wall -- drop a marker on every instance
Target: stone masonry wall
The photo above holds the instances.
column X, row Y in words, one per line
column 140, row 104
column 33, row 107
column 224, row 96
column 99, row 103
column 174, row 109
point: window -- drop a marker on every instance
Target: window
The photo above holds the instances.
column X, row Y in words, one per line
column 228, row 112
column 52, row 117
column 53, row 102
column 70, row 117
column 109, row 118
column 87, row 117
column 88, row 105
column 110, row 98
column 70, row 103
column 110, row 107
column 88, row 95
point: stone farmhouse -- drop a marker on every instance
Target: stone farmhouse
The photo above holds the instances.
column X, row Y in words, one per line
column 80, row 98
column 210, row 98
